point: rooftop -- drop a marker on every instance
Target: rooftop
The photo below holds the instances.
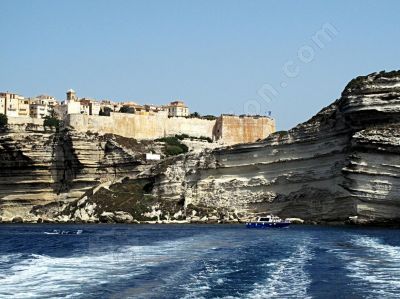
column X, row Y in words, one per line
column 178, row 103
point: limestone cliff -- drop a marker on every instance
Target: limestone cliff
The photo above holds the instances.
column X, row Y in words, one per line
column 343, row 162
column 42, row 171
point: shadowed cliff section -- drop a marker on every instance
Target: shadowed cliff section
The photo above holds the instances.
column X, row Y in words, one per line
column 66, row 165
column 12, row 158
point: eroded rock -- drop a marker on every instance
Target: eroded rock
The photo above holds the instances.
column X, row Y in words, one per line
column 343, row 162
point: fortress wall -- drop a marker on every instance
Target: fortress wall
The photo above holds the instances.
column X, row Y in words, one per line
column 142, row 126
column 227, row 129
column 23, row 123
column 23, row 120
column 236, row 129
column 195, row 127
column 124, row 124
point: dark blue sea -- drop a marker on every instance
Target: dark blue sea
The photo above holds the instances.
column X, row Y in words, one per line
column 198, row 261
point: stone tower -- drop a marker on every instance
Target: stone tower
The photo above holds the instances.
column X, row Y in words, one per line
column 71, row 95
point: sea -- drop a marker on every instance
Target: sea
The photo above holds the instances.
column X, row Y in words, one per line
column 198, row 261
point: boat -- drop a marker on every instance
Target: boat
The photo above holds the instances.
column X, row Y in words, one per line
column 64, row 232
column 268, row 221
column 54, row 232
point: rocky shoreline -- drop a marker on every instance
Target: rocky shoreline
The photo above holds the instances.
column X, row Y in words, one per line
column 121, row 217
column 129, row 221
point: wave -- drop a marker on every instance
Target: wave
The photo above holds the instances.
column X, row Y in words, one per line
column 373, row 267
column 212, row 275
column 191, row 267
column 7, row 258
column 6, row 261
column 41, row 276
column 288, row 278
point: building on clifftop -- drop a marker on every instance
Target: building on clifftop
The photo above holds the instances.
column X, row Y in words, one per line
column 178, row 109
column 13, row 105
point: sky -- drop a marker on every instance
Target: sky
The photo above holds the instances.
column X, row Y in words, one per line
column 219, row 56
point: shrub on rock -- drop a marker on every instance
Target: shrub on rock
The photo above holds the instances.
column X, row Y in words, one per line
column 3, row 120
column 51, row 122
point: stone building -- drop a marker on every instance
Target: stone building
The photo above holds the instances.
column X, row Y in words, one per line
column 71, row 105
column 71, row 95
column 89, row 106
column 42, row 106
column 132, row 120
column 47, row 100
column 94, row 108
column 233, row 129
column 85, row 106
column 110, row 106
column 38, row 110
column 23, row 107
column 13, row 105
column 177, row 109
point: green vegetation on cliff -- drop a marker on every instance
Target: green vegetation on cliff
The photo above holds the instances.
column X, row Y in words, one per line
column 173, row 146
column 51, row 122
column 281, row 134
column 106, row 111
column 132, row 196
column 3, row 120
column 186, row 136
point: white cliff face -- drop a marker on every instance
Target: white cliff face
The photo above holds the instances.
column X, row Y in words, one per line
column 41, row 172
column 343, row 162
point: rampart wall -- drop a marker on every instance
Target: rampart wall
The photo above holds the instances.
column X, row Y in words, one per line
column 23, row 120
column 23, row 123
column 226, row 129
column 236, row 129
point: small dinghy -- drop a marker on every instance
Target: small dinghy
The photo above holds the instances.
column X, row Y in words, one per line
column 54, row 232
column 269, row 221
column 64, row 232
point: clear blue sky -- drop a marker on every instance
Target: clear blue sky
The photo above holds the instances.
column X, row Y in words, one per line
column 216, row 55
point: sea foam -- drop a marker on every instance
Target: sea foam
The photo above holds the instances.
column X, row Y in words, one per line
column 288, row 277
column 373, row 266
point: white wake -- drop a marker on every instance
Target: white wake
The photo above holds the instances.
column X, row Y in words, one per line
column 287, row 277
column 43, row 276
column 373, row 267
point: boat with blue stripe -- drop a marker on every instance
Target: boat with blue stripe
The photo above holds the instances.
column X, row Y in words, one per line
column 269, row 221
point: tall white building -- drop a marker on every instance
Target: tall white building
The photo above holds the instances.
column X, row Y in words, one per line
column 42, row 106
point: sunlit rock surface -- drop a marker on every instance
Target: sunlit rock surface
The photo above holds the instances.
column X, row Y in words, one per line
column 343, row 162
